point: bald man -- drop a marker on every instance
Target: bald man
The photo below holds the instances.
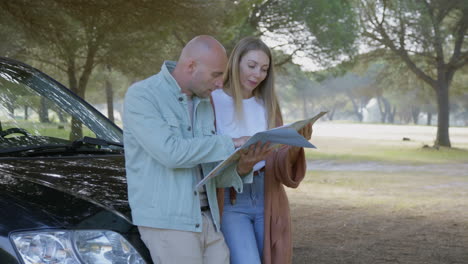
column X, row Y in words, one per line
column 170, row 143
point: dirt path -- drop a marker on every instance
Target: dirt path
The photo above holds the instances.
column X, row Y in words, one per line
column 328, row 233
column 458, row 169
column 329, row 227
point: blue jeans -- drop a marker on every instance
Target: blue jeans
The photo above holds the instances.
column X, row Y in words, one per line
column 243, row 223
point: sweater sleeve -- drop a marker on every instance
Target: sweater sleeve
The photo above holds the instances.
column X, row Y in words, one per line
column 286, row 172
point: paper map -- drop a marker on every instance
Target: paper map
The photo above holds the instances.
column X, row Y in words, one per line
column 286, row 135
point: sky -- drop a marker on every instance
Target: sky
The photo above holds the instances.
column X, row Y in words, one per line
column 273, row 40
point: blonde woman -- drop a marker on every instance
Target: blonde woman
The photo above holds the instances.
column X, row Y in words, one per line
column 256, row 223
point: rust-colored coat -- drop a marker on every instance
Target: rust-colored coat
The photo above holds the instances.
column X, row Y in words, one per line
column 279, row 171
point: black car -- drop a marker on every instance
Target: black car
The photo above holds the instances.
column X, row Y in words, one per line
column 63, row 191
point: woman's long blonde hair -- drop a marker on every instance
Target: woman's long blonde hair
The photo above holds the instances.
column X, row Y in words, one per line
column 265, row 90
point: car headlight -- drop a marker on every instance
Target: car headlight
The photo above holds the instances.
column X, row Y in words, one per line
column 77, row 246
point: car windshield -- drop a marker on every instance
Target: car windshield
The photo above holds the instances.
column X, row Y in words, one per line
column 35, row 110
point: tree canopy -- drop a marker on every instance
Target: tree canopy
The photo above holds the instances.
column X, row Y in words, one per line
column 116, row 41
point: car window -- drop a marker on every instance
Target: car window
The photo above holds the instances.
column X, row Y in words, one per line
column 36, row 110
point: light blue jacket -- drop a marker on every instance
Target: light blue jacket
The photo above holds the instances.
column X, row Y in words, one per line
column 162, row 149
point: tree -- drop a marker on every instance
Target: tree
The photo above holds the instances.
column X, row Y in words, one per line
column 428, row 36
column 76, row 36
column 356, row 88
column 301, row 28
column 393, row 78
column 300, row 95
column 13, row 41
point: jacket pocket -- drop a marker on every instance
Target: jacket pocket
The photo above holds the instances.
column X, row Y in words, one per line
column 174, row 124
column 208, row 131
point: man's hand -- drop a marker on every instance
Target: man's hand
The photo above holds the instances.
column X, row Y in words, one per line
column 251, row 156
column 240, row 141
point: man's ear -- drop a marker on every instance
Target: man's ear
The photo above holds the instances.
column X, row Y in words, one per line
column 191, row 66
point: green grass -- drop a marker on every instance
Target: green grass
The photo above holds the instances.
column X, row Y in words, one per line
column 399, row 155
column 56, row 130
column 356, row 150
column 403, row 190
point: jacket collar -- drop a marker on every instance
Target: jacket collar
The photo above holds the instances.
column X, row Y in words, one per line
column 166, row 70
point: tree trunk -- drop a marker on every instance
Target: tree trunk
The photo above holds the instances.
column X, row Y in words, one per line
column 391, row 115
column 415, row 113
column 26, row 114
column 75, row 126
column 384, row 108
column 406, row 118
column 10, row 105
column 429, row 118
column 61, row 116
column 110, row 100
column 331, row 113
column 76, row 131
column 356, row 108
column 443, row 118
column 381, row 110
column 79, row 87
column 43, row 111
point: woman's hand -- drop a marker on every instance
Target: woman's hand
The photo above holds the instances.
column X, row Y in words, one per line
column 251, row 156
column 306, row 132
